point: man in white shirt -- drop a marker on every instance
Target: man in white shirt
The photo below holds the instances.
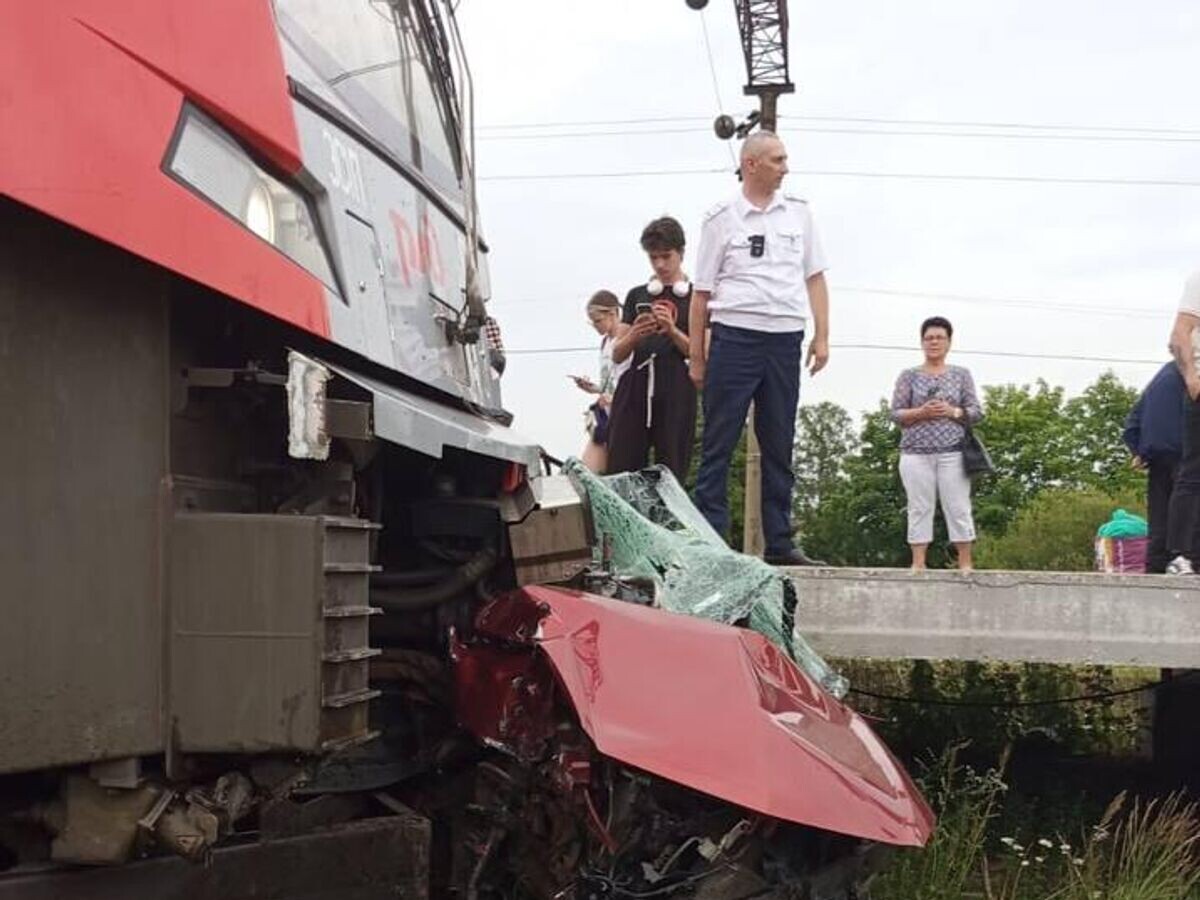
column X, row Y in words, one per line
column 1184, row 514
column 760, row 280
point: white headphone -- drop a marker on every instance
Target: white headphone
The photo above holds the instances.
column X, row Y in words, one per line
column 680, row 288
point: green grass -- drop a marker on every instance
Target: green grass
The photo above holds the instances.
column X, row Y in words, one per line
column 1136, row 850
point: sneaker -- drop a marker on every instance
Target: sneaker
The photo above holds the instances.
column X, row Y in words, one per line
column 1180, row 565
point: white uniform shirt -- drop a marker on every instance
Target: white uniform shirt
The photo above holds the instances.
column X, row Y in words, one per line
column 764, row 293
column 1190, row 303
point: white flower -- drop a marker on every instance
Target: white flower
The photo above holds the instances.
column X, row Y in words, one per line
column 1039, row 859
column 1045, row 843
column 1024, row 862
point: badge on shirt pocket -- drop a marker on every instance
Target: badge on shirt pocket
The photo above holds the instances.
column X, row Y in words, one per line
column 792, row 241
column 740, row 250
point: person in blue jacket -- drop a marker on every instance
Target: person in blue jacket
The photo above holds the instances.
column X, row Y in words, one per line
column 1154, row 435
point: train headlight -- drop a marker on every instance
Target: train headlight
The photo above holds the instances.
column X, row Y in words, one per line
column 209, row 161
column 260, row 213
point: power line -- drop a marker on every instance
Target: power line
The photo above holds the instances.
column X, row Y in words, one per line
column 1028, row 126
column 1000, row 136
column 872, row 132
column 584, row 175
column 1018, row 302
column 906, row 348
column 1056, row 305
column 862, row 120
column 712, row 68
column 843, row 173
column 645, row 120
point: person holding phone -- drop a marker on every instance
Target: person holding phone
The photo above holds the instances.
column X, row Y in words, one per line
column 604, row 314
column 654, row 407
column 933, row 404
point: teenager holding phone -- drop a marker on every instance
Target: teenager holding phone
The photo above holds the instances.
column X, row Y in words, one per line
column 654, row 407
column 604, row 313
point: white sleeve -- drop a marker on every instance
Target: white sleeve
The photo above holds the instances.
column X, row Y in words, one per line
column 708, row 257
column 1190, row 301
column 814, row 253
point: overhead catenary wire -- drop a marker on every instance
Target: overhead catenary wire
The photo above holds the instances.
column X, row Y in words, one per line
column 712, row 69
column 906, row 348
column 870, row 132
column 1052, row 304
column 869, row 174
column 863, row 120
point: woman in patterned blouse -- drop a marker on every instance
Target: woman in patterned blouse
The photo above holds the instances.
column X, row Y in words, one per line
column 933, row 403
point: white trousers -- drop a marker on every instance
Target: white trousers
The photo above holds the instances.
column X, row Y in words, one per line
column 928, row 476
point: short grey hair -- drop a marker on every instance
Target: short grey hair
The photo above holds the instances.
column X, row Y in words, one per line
column 756, row 144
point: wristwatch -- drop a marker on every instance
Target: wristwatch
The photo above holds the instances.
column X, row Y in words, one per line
column 958, row 413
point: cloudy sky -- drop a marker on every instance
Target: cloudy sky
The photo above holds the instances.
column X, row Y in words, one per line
column 1038, row 244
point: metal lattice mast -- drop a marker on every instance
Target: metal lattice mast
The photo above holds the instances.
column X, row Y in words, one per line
column 763, row 25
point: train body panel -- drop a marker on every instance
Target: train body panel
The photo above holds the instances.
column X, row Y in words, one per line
column 83, row 350
column 93, row 95
column 100, row 96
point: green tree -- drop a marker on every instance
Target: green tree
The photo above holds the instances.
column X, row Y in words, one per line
column 1054, row 532
column 825, row 440
column 860, row 521
column 1097, row 417
column 1040, row 440
column 1032, row 445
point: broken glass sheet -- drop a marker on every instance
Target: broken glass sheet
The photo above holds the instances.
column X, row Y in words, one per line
column 648, row 530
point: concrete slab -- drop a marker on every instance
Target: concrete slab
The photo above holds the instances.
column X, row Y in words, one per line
column 1058, row 617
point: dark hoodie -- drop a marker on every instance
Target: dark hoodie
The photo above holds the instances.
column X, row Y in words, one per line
column 1154, row 427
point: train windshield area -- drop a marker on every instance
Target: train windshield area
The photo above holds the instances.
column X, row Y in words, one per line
column 380, row 57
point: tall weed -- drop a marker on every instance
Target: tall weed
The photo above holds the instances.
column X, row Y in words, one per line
column 1149, row 854
column 965, row 802
column 1138, row 850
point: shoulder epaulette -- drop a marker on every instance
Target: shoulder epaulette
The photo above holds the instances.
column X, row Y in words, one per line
column 716, row 209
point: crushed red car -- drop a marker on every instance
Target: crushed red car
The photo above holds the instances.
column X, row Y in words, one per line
column 649, row 753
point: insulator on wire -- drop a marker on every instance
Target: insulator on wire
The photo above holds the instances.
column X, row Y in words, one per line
column 725, row 127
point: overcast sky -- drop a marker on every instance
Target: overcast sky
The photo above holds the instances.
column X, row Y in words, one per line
column 1076, row 269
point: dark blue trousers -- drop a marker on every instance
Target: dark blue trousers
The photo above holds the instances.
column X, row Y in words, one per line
column 1183, row 519
column 745, row 365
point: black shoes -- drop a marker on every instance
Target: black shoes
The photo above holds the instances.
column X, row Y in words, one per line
column 794, row 556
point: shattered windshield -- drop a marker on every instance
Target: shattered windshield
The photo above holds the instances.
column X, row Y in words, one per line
column 648, row 530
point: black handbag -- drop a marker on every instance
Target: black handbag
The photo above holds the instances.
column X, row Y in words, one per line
column 976, row 459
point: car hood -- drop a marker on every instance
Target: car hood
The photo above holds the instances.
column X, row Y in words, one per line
column 724, row 711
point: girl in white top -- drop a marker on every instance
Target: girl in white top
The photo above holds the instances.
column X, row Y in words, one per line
column 604, row 312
